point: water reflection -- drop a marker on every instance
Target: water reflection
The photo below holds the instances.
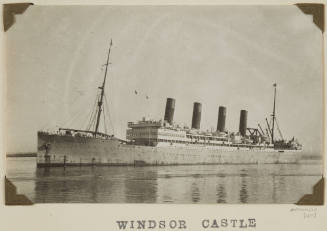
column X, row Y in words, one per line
column 75, row 184
column 220, row 189
column 195, row 192
column 141, row 185
column 243, row 192
column 221, row 194
column 44, row 172
column 274, row 188
column 165, row 184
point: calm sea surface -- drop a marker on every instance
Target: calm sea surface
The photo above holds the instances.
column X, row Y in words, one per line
column 275, row 183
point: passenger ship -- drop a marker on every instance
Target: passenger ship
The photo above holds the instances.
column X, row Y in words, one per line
column 162, row 142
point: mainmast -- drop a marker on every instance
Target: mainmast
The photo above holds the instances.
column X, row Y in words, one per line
column 100, row 102
column 273, row 114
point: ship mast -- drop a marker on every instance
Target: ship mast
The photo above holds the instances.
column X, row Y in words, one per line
column 100, row 102
column 273, row 114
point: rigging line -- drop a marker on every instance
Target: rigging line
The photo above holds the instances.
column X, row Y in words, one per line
column 92, row 125
column 92, row 122
column 77, row 120
column 71, row 119
column 279, row 131
column 85, row 121
column 82, row 96
column 272, row 128
column 107, row 105
column 91, row 118
column 74, row 118
column 270, row 123
column 88, row 118
column 109, row 115
column 79, row 112
column 88, row 125
column 104, row 122
column 94, row 109
column 45, row 126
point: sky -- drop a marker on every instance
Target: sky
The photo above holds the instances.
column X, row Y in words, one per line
column 216, row 55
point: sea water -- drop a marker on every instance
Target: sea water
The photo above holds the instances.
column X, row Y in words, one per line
column 266, row 183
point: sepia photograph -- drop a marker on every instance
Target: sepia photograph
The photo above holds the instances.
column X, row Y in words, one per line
column 164, row 104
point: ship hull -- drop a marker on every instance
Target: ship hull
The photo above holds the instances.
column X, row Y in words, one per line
column 63, row 150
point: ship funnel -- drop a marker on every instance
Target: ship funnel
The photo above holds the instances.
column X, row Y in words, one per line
column 169, row 112
column 243, row 122
column 221, row 119
column 196, row 118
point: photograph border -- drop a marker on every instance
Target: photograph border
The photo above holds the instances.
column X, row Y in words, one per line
column 295, row 215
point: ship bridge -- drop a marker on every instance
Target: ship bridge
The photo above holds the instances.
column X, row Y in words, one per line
column 145, row 123
column 151, row 133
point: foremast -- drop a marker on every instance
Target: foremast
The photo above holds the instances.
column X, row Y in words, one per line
column 102, row 88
